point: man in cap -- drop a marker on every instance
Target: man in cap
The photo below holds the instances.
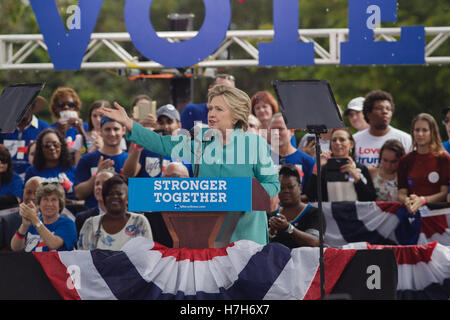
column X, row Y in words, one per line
column 109, row 156
column 148, row 164
column 355, row 114
column 446, row 123
column 168, row 119
column 26, row 132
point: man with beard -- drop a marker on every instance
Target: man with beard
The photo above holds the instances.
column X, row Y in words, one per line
column 378, row 110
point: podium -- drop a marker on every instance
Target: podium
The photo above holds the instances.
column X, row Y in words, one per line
column 199, row 230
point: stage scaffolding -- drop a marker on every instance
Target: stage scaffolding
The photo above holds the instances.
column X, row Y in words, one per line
column 16, row 50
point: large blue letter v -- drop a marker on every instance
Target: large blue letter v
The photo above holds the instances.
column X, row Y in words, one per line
column 66, row 49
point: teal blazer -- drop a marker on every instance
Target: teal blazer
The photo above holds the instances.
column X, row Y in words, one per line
column 246, row 155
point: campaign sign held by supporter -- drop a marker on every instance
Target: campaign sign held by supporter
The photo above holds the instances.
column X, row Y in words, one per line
column 190, row 194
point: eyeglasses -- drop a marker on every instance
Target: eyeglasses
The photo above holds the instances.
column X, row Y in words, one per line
column 382, row 108
column 52, row 183
column 71, row 105
column 3, row 160
column 48, row 145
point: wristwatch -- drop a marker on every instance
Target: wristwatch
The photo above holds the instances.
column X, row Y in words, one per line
column 290, row 229
column 38, row 224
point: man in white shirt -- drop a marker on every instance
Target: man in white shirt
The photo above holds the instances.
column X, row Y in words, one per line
column 378, row 110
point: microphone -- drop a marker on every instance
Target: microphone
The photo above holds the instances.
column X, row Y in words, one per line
column 193, row 132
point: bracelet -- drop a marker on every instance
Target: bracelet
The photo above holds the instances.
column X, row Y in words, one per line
column 424, row 201
column 289, row 229
column 19, row 235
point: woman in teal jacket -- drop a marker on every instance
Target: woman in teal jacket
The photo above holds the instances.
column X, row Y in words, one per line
column 231, row 152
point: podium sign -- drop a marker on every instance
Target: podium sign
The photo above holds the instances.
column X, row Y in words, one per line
column 190, row 194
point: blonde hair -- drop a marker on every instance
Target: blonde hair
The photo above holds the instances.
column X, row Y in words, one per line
column 238, row 101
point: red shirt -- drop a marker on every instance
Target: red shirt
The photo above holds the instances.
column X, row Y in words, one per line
column 423, row 174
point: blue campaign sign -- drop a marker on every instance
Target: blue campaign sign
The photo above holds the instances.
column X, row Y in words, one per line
column 66, row 47
column 190, row 194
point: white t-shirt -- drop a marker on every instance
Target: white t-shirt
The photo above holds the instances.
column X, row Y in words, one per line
column 137, row 225
column 367, row 146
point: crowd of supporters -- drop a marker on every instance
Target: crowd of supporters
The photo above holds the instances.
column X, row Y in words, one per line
column 67, row 186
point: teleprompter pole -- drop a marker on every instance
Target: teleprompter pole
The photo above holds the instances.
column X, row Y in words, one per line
column 317, row 130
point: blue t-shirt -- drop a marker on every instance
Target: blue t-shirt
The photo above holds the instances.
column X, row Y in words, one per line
column 14, row 187
column 55, row 174
column 150, row 164
column 303, row 161
column 63, row 228
column 192, row 113
column 87, row 167
column 294, row 142
column 446, row 145
column 18, row 141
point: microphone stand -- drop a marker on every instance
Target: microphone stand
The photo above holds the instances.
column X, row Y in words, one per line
column 198, row 153
column 160, row 157
column 317, row 130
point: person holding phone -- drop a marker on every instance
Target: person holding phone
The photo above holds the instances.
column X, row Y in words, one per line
column 342, row 178
column 65, row 106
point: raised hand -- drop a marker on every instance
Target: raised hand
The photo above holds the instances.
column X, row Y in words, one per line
column 105, row 164
column 119, row 114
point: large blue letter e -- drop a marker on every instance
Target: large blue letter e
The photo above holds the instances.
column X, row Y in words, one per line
column 361, row 49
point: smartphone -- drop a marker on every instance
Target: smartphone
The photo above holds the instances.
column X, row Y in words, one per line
column 309, row 139
column 66, row 115
column 143, row 109
column 333, row 169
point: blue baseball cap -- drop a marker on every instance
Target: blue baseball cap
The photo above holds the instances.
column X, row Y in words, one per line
column 105, row 119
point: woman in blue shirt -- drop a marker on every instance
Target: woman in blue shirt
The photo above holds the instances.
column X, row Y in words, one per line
column 47, row 231
column 232, row 152
column 52, row 161
column 11, row 184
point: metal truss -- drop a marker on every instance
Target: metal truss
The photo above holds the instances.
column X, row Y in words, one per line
column 16, row 50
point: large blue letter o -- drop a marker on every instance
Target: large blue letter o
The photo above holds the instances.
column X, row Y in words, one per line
column 180, row 54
